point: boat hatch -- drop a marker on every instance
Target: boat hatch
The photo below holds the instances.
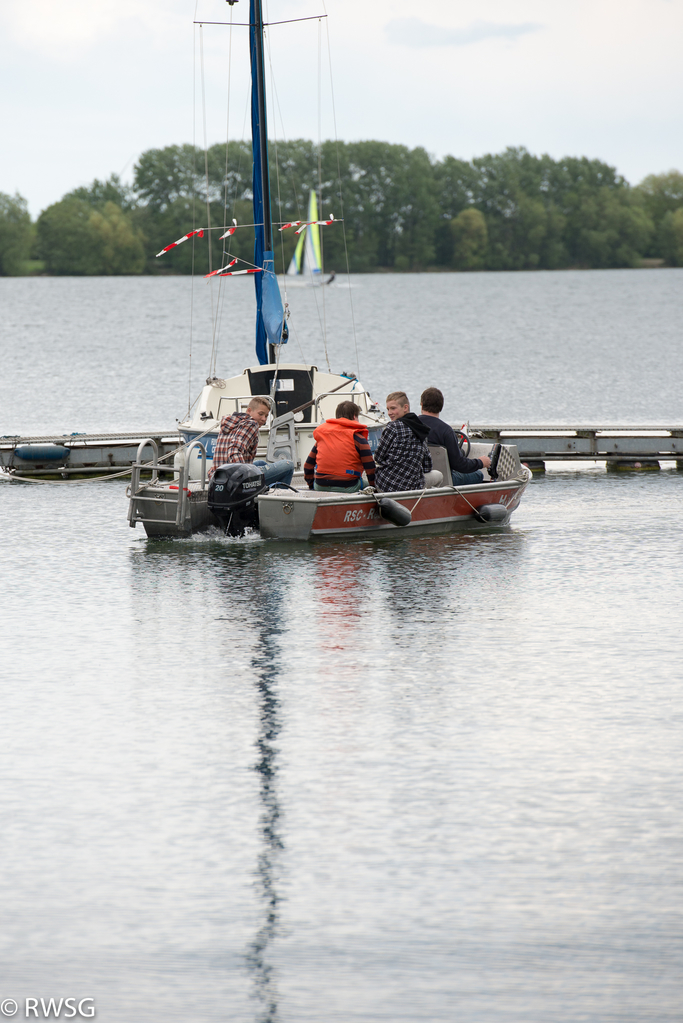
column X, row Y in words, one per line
column 294, row 388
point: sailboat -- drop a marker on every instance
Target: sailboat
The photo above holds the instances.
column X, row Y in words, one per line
column 301, row 397
column 306, row 259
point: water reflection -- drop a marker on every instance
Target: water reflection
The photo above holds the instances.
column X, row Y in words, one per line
column 402, row 607
column 340, row 598
column 265, row 663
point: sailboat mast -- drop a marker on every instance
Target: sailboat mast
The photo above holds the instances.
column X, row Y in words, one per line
column 271, row 328
column 261, row 134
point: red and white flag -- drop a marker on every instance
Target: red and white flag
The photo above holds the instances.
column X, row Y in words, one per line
column 311, row 223
column 226, row 267
column 199, row 232
column 303, row 224
column 237, row 273
column 231, row 230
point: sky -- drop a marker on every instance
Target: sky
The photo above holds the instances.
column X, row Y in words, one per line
column 88, row 85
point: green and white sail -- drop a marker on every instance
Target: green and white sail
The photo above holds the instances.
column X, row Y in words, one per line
column 307, row 258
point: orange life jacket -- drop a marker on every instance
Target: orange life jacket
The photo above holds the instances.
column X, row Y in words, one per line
column 337, row 454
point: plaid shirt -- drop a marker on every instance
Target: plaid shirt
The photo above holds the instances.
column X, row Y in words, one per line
column 401, row 459
column 237, row 440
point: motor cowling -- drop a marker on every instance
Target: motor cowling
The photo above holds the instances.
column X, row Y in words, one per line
column 233, row 490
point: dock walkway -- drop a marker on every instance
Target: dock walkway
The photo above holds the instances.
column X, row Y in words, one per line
column 618, row 445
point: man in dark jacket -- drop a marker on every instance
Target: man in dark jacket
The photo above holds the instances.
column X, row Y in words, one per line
column 463, row 470
column 402, row 457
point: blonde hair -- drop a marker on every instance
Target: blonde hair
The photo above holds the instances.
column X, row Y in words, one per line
column 400, row 397
column 259, row 401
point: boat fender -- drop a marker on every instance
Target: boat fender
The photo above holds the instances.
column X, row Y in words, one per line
column 42, row 452
column 394, row 512
column 491, row 513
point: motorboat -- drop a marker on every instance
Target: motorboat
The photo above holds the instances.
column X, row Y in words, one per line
column 191, row 495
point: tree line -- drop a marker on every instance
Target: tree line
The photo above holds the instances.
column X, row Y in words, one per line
column 402, row 211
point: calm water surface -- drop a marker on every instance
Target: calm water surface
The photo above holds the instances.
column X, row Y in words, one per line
column 415, row 779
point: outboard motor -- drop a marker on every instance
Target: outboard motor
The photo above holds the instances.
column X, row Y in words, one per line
column 233, row 490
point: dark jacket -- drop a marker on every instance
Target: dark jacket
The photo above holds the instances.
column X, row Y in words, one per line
column 442, row 434
column 402, row 457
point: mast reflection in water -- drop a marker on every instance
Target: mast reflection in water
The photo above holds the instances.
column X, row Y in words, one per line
column 264, row 663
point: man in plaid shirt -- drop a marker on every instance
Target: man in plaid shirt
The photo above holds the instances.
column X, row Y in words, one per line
column 402, row 458
column 238, row 441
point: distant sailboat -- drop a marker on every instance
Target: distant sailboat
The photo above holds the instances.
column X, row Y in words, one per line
column 307, row 258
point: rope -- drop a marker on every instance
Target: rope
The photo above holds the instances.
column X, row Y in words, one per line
column 10, row 477
column 418, row 500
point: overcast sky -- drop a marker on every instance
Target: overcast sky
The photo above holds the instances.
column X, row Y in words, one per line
column 88, row 85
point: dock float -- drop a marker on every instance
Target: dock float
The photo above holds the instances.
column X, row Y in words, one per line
column 76, row 454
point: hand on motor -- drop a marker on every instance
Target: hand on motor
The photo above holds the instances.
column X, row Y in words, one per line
column 486, row 460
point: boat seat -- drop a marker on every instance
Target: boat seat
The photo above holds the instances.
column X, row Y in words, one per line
column 440, row 462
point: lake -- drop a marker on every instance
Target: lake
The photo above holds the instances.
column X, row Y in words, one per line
column 397, row 779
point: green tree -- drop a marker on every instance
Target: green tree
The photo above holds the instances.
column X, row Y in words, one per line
column 173, row 188
column 15, row 234
column 610, row 229
column 470, row 240
column 670, row 237
column 661, row 194
column 75, row 239
column 99, row 193
column 65, row 240
column 162, row 176
column 513, row 191
column 390, row 211
column 118, row 243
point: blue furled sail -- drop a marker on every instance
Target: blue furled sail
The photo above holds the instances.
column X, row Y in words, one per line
column 270, row 321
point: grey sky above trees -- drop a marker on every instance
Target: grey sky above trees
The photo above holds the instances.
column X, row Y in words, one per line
column 87, row 86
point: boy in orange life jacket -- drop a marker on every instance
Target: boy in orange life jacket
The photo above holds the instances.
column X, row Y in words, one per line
column 341, row 453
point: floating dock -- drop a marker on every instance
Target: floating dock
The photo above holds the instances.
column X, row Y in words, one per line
column 77, row 454
column 619, row 446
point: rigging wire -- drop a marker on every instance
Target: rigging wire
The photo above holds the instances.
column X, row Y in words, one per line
column 341, row 197
column 222, row 292
column 194, row 108
column 207, row 196
column 276, row 98
column 295, row 193
column 221, row 287
column 320, row 190
column 285, row 309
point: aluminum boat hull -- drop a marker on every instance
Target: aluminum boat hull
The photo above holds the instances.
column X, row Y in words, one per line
column 305, row 515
